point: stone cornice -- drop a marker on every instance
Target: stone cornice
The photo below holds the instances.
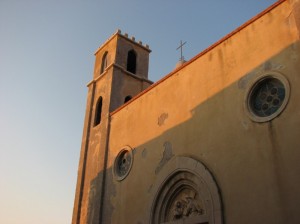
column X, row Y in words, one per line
column 115, row 65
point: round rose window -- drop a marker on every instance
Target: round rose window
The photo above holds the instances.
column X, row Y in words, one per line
column 267, row 98
column 123, row 163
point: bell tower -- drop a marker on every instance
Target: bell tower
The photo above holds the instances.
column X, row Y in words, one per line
column 120, row 73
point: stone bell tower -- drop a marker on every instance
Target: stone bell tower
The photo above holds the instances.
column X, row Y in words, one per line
column 120, row 73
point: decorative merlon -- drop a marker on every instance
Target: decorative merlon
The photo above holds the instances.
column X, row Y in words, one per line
column 125, row 35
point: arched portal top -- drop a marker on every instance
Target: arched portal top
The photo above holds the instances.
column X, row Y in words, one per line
column 186, row 192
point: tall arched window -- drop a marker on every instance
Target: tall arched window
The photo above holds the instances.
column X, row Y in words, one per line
column 131, row 61
column 98, row 112
column 104, row 62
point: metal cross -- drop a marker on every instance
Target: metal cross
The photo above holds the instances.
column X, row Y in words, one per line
column 180, row 46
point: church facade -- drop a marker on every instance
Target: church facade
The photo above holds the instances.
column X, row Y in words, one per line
column 215, row 141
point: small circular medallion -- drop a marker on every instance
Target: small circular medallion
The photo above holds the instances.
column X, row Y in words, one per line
column 123, row 163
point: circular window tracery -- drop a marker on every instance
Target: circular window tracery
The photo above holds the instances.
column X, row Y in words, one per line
column 268, row 97
column 123, row 163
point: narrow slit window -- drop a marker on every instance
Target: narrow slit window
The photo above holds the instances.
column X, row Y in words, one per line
column 131, row 61
column 104, row 62
column 98, row 112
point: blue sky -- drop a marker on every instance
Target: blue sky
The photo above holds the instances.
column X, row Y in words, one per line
column 47, row 58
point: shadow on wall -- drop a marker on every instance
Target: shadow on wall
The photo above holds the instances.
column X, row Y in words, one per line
column 253, row 163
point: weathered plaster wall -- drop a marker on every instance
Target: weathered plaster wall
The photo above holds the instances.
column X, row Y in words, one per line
column 199, row 112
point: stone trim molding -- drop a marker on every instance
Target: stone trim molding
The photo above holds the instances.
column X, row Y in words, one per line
column 123, row 70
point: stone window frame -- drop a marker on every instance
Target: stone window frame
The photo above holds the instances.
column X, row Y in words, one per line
column 252, row 87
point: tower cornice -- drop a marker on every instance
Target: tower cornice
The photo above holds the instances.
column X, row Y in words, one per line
column 115, row 65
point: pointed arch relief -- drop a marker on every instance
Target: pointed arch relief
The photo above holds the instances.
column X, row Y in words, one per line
column 131, row 61
column 186, row 192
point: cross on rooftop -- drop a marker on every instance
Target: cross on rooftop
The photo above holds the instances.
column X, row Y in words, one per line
column 181, row 46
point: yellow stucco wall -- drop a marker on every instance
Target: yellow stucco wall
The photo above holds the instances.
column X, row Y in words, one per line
column 200, row 110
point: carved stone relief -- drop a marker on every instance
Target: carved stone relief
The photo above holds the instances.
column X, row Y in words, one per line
column 186, row 204
column 187, row 193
